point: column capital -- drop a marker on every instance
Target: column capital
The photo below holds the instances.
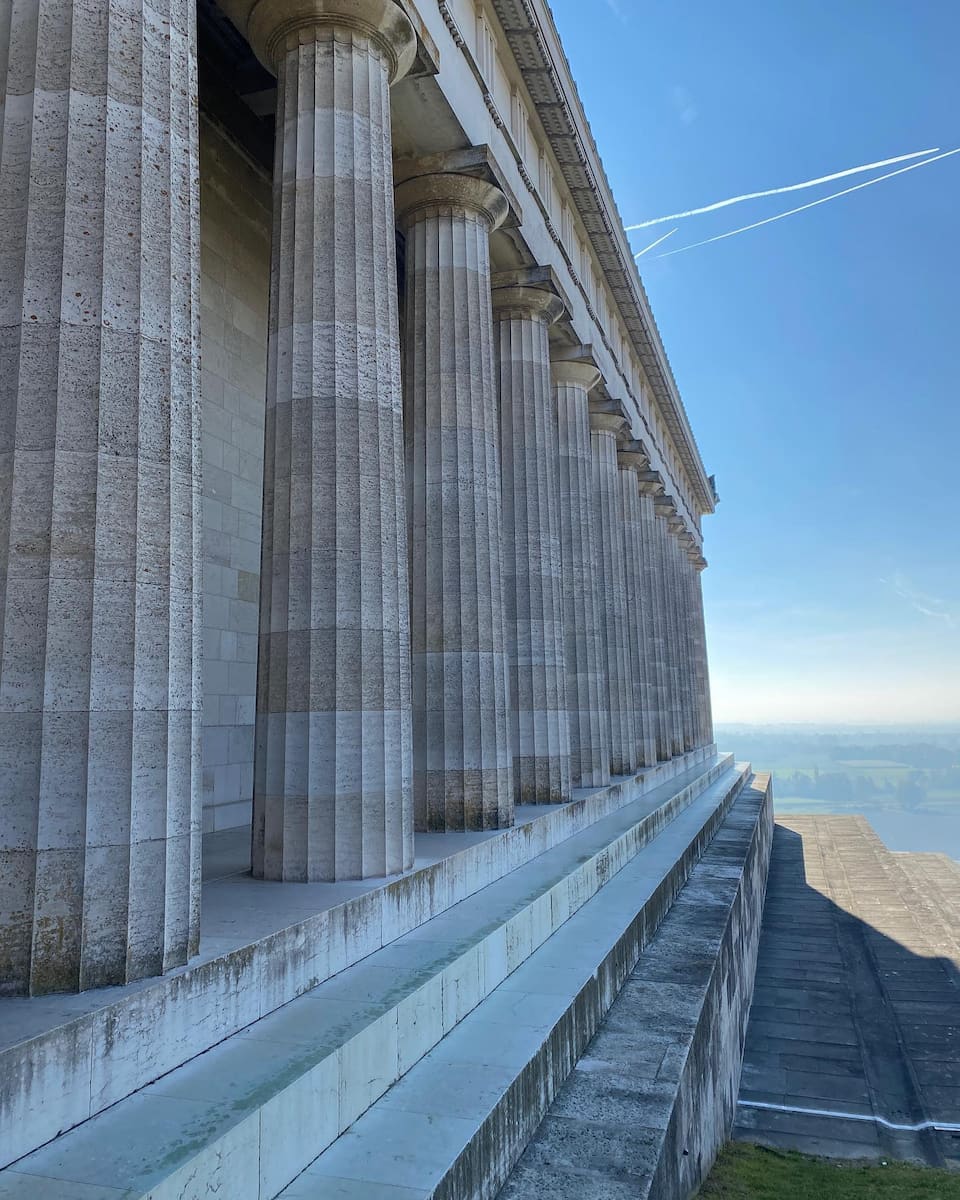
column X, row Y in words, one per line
column 631, row 456
column 665, row 506
column 609, row 416
column 579, row 374
column 270, row 26
column 650, row 483
column 425, row 194
column 529, row 302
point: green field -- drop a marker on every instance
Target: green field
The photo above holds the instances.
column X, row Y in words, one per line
column 752, row 1173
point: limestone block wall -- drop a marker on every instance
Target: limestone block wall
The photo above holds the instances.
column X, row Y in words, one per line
column 235, row 224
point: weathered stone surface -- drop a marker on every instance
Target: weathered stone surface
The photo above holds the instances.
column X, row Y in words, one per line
column 332, row 787
column 235, row 220
column 584, row 647
column 66, row 1058
column 646, row 1108
column 605, row 428
column 671, row 642
column 532, row 567
column 463, row 771
column 100, row 510
column 856, row 1008
column 250, row 1114
column 630, row 461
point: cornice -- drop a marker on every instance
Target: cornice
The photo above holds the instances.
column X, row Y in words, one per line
column 535, row 44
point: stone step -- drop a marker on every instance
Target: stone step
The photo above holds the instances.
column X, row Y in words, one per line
column 65, row 1058
column 457, row 1122
column 248, row 1116
column 645, row 1110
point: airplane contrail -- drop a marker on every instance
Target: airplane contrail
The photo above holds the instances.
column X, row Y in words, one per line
column 813, row 204
column 641, row 253
column 793, row 187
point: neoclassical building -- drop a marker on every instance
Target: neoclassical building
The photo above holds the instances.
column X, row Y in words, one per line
column 347, row 492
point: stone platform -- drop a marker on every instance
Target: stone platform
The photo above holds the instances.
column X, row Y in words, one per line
column 274, row 1048
column 853, row 1047
column 646, row 1107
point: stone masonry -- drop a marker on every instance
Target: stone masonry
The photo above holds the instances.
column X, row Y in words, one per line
column 347, row 491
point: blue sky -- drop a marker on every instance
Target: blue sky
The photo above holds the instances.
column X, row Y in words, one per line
column 818, row 357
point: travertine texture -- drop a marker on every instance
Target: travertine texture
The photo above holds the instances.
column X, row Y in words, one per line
column 235, row 216
column 678, row 563
column 630, row 462
column 604, row 430
column 532, row 581
column 663, row 507
column 654, row 622
column 463, row 774
column 100, row 503
column 584, row 647
column 706, row 713
column 332, row 781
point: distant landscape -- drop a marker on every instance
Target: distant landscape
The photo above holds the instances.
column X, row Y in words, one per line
column 905, row 780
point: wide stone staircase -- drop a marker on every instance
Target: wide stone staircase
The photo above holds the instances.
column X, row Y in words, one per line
column 421, row 1068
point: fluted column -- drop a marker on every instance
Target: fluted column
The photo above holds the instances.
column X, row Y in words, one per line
column 100, row 498
column 584, row 648
column 463, row 773
column 532, row 589
column 706, row 732
column 606, row 425
column 631, row 460
column 654, row 628
column 332, row 779
column 678, row 557
column 664, row 507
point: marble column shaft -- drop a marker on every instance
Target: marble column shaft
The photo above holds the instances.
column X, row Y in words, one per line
column 604, row 430
column 672, row 641
column 637, row 602
column 463, row 771
column 679, row 558
column 100, row 497
column 655, row 626
column 532, row 571
column 707, row 714
column 332, row 779
column 584, row 648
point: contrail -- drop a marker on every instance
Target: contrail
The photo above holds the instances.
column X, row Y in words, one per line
column 812, row 204
column 794, row 187
column 641, row 253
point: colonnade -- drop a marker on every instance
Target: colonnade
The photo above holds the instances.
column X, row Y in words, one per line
column 475, row 591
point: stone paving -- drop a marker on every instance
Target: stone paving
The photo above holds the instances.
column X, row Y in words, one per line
column 856, row 1009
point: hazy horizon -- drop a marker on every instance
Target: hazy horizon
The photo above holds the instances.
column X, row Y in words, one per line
column 816, row 355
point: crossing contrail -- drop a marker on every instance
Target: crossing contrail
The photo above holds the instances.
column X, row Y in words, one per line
column 793, row 187
column 813, row 204
column 641, row 253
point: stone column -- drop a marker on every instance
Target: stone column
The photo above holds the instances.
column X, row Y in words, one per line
column 678, row 557
column 690, row 580
column 664, row 508
column 631, row 460
column 706, row 735
column 463, row 774
column 332, row 778
column 100, row 498
column 607, row 423
column 655, row 628
column 532, row 588
column 584, row 648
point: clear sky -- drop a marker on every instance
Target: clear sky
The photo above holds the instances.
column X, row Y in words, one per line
column 819, row 356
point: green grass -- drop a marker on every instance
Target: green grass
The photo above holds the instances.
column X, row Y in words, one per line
column 752, row 1173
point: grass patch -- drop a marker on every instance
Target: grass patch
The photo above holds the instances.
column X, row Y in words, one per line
column 747, row 1172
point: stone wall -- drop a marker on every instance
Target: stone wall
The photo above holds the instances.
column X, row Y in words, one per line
column 709, row 1080
column 235, row 214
